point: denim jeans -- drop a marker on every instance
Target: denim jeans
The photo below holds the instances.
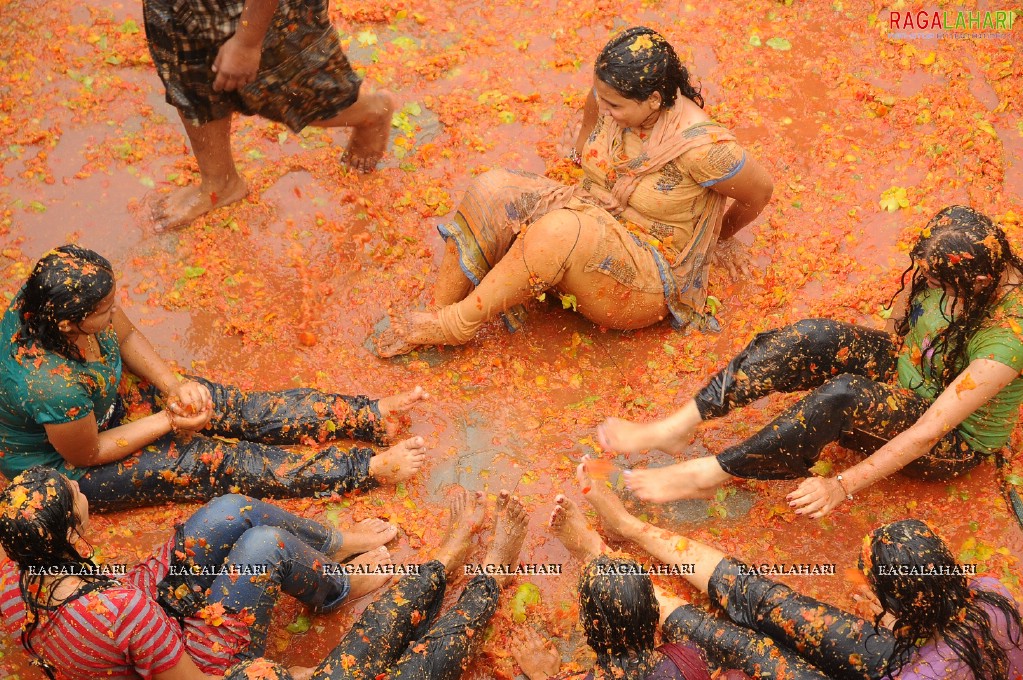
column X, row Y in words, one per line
column 183, row 467
column 242, row 553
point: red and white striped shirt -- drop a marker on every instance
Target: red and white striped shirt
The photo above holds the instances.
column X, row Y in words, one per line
column 121, row 632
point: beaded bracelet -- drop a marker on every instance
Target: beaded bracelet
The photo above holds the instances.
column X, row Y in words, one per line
column 841, row 483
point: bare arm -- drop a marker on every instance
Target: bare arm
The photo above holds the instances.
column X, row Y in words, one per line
column 237, row 61
column 591, row 112
column 974, row 387
column 751, row 188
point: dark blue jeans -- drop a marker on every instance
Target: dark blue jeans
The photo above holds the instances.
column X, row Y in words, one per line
column 182, row 468
column 242, row 553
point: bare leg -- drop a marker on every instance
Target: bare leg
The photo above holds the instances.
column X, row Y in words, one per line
column 361, row 584
column 551, row 253
column 670, row 548
column 399, row 462
column 697, row 478
column 370, row 120
column 467, row 514
column 452, row 284
column 509, row 533
column 669, row 434
column 219, row 185
column 574, row 531
column 366, row 535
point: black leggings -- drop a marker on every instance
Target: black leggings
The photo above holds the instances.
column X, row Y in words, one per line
column 394, row 636
column 200, row 467
column 849, row 369
column 774, row 632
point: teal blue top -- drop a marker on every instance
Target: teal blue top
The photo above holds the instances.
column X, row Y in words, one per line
column 38, row 387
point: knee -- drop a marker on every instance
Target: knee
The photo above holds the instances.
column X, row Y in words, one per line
column 226, row 509
column 844, row 387
column 556, row 233
column 260, row 544
column 486, row 185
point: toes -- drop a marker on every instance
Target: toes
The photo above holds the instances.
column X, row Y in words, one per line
column 502, row 500
column 557, row 517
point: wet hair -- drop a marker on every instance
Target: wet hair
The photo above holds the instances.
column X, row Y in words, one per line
column 258, row 669
column 67, row 284
column 619, row 614
column 958, row 245
column 640, row 61
column 38, row 528
column 936, row 601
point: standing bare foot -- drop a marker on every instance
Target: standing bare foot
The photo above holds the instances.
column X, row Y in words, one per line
column 509, row 533
column 573, row 531
column 366, row 535
column 372, row 561
column 616, row 434
column 392, row 409
column 369, row 140
column 181, row 207
column 616, row 518
column 467, row 513
column 399, row 462
column 411, row 331
column 698, row 478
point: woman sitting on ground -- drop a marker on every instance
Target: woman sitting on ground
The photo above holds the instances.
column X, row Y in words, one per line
column 631, row 242
column 933, row 400
column 60, row 406
column 941, row 626
column 397, row 637
column 200, row 604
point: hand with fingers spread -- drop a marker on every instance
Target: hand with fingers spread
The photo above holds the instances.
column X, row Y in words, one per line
column 535, row 655
column 817, row 496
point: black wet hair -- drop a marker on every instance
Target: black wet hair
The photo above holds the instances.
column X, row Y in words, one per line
column 958, row 245
column 66, row 284
column 619, row 613
column 919, row 582
column 640, row 61
column 38, row 530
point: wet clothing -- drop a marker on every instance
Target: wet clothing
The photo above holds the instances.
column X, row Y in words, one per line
column 209, row 591
column 1000, row 339
column 397, row 637
column 40, row 388
column 304, row 75
column 201, row 466
column 649, row 196
column 849, row 370
column 773, row 632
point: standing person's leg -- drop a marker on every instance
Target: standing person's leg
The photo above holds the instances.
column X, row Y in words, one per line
column 800, row 356
column 219, row 185
column 370, row 120
column 387, row 626
column 443, row 652
column 840, row 644
column 853, row 411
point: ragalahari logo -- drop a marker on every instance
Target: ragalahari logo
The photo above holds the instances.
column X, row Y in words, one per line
column 951, row 20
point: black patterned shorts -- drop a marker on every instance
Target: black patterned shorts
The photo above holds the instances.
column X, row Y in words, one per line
column 304, row 75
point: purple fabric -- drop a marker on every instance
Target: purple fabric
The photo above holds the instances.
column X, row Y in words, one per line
column 936, row 661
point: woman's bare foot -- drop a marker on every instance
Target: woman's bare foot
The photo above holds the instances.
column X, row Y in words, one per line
column 698, row 478
column 392, row 409
column 366, row 535
column 181, row 207
column 467, row 514
column 615, row 517
column 413, row 330
column 574, row 531
column 374, row 560
column 509, row 533
column 616, row 434
column 369, row 140
column 399, row 462
column 535, row 655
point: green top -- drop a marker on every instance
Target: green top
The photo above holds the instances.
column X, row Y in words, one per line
column 1000, row 339
column 38, row 387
